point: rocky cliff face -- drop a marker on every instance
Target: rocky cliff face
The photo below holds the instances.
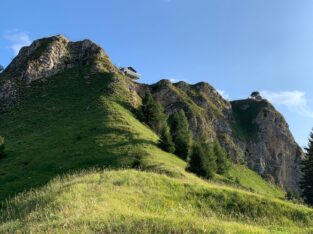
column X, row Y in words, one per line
column 47, row 57
column 252, row 131
column 269, row 146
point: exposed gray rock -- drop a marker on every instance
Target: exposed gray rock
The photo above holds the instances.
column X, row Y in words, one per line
column 272, row 152
column 266, row 144
column 7, row 90
column 49, row 56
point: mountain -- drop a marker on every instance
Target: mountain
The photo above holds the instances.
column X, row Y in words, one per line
column 252, row 131
column 78, row 159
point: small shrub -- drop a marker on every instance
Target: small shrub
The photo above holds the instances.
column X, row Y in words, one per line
column 137, row 155
column 237, row 180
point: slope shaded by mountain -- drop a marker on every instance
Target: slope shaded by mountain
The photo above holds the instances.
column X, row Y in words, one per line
column 69, row 120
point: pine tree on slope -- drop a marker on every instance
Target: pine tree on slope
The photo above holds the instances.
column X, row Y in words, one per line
column 307, row 170
column 202, row 160
column 181, row 134
column 222, row 161
column 153, row 113
column 166, row 142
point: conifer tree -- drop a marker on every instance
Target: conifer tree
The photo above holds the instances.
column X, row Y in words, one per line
column 152, row 113
column 181, row 134
column 307, row 173
column 222, row 161
column 202, row 160
column 166, row 142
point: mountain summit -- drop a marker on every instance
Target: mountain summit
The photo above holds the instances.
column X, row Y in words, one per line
column 49, row 56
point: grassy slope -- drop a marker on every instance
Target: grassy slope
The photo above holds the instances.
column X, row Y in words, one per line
column 70, row 123
column 129, row 201
column 74, row 125
column 254, row 182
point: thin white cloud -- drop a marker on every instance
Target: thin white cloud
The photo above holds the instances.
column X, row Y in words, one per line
column 17, row 40
column 223, row 94
column 295, row 101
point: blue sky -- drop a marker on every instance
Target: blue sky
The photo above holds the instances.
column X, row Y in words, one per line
column 238, row 46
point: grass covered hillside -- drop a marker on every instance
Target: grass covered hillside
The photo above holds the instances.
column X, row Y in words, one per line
column 129, row 201
column 64, row 133
column 78, row 160
column 70, row 123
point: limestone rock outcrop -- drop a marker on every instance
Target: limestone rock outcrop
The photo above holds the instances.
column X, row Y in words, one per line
column 269, row 146
column 49, row 56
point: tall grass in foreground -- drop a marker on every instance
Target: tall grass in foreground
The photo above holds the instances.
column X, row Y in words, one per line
column 144, row 202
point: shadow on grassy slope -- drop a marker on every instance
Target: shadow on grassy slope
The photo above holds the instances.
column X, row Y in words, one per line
column 65, row 124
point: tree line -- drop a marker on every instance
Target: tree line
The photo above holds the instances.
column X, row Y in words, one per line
column 204, row 159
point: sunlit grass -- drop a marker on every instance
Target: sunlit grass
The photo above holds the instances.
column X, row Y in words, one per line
column 145, row 202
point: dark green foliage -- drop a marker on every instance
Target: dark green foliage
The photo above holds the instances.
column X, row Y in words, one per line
column 293, row 196
column 137, row 156
column 256, row 95
column 2, row 146
column 153, row 113
column 245, row 112
column 166, row 142
column 202, row 160
column 222, row 161
column 307, row 170
column 181, row 133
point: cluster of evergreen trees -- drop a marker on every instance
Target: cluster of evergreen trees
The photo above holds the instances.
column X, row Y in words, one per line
column 207, row 159
column 175, row 137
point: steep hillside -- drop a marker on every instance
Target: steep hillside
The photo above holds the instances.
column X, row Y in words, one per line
column 87, row 164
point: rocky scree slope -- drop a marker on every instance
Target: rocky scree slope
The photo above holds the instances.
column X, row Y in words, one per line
column 252, row 131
